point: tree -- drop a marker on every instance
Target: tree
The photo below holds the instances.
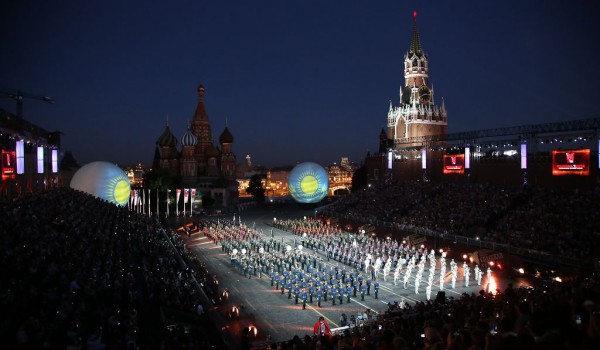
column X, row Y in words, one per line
column 359, row 179
column 207, row 201
column 255, row 188
column 158, row 178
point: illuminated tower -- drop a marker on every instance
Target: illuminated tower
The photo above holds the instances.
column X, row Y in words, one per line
column 201, row 129
column 417, row 114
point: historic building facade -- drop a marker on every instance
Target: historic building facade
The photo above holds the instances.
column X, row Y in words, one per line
column 417, row 115
column 199, row 163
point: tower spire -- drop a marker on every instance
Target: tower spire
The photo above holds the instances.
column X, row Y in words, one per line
column 415, row 43
column 200, row 113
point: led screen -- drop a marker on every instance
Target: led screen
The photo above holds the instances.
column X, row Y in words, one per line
column 103, row 180
column 8, row 165
column 571, row 162
column 454, row 163
column 308, row 183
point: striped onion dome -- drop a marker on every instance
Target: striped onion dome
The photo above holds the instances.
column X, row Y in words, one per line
column 167, row 139
column 189, row 139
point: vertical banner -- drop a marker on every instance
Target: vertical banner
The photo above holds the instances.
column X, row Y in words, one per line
column 523, row 156
column 192, row 197
column 168, row 191
column 40, row 160
column 424, row 158
column 467, row 158
column 148, row 200
column 55, row 161
column 177, row 201
column 389, row 159
column 131, row 199
column 20, row 151
column 186, row 193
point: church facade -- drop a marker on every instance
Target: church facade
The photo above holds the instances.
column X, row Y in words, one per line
column 202, row 165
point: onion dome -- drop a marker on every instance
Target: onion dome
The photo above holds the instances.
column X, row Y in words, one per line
column 212, row 152
column 189, row 139
column 167, row 139
column 226, row 136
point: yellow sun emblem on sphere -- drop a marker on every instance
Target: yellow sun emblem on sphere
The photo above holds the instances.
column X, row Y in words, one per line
column 122, row 191
column 103, row 180
column 308, row 183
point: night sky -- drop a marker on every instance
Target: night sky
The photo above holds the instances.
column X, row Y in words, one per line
column 294, row 80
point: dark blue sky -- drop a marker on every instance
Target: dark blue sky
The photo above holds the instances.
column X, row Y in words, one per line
column 296, row 80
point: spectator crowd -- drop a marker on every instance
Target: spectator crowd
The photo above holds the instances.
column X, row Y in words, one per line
column 554, row 221
column 81, row 273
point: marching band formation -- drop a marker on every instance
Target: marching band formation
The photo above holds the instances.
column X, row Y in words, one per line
column 348, row 266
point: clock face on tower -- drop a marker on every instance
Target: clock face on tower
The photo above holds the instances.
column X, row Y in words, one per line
column 424, row 94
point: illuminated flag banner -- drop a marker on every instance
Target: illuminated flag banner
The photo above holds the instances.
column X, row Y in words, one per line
column 454, row 163
column 467, row 157
column 571, row 162
column 523, row 156
column 8, row 165
column 20, row 150
column 40, row 160
column 389, row 159
column 55, row 161
column 177, row 201
column 193, row 196
column 185, row 195
column 424, row 158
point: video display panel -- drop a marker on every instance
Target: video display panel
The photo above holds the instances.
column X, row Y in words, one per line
column 571, row 162
column 8, row 165
column 454, row 163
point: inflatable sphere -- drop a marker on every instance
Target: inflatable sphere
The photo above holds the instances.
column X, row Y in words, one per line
column 103, row 180
column 308, row 183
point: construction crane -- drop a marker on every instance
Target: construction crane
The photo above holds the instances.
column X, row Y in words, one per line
column 19, row 96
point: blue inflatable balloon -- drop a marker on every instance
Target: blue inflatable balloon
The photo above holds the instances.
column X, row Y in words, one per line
column 308, row 183
column 103, row 180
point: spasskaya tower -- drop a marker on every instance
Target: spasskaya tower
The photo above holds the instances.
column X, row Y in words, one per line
column 417, row 114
